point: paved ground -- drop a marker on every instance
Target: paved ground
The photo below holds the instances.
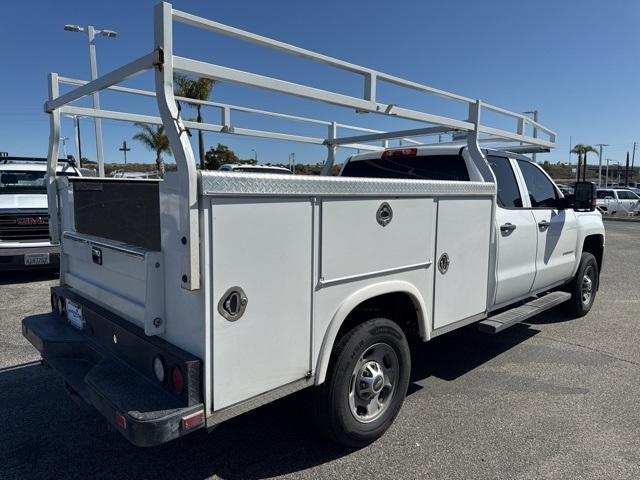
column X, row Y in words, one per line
column 557, row 399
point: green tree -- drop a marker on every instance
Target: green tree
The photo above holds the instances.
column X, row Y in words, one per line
column 198, row 89
column 154, row 138
column 219, row 156
column 582, row 151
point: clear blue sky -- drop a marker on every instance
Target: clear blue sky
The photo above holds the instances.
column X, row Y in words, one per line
column 574, row 60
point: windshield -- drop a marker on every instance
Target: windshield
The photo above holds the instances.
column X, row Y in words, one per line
column 25, row 181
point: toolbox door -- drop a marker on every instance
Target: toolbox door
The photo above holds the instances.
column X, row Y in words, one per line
column 262, row 267
column 461, row 259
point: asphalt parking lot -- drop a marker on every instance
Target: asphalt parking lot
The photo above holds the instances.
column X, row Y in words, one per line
column 556, row 398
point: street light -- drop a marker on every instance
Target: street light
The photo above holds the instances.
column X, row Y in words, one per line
column 255, row 154
column 607, row 171
column 91, row 32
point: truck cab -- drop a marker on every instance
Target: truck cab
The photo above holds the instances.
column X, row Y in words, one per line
column 24, row 217
column 539, row 239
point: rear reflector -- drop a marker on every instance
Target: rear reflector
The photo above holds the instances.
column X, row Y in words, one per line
column 121, row 421
column 192, row 421
column 400, row 152
column 178, row 380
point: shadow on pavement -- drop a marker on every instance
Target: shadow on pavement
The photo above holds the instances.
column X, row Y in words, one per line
column 45, row 434
column 16, row 277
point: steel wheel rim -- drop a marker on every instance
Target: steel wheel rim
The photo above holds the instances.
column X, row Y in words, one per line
column 586, row 288
column 373, row 382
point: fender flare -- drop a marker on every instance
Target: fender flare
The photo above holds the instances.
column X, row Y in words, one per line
column 589, row 227
column 355, row 299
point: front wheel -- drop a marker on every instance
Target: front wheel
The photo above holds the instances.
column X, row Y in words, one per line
column 584, row 286
column 366, row 383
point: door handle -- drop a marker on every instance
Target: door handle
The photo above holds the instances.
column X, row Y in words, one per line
column 507, row 227
column 543, row 224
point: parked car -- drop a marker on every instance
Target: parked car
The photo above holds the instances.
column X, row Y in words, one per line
column 617, row 200
column 24, row 217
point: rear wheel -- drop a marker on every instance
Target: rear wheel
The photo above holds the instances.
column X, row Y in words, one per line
column 366, row 383
column 584, row 286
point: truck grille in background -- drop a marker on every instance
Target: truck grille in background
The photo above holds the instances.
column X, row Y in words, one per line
column 24, row 226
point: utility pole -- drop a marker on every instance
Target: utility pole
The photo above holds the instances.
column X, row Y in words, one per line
column 626, row 172
column 292, row 162
column 124, row 150
column 76, row 124
column 600, row 163
column 91, row 32
column 64, row 145
column 633, row 158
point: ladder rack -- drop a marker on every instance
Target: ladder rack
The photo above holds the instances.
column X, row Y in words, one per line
column 165, row 63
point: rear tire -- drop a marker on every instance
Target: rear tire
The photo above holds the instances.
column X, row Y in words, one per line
column 584, row 286
column 366, row 383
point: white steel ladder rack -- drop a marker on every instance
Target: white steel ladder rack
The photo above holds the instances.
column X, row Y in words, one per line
column 165, row 63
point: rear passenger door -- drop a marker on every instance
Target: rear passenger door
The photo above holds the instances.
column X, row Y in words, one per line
column 556, row 228
column 516, row 235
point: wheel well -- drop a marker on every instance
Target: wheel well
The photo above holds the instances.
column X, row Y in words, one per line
column 594, row 244
column 398, row 307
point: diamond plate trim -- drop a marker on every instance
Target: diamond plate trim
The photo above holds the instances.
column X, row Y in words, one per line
column 229, row 183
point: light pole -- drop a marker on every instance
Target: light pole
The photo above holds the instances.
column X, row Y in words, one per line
column 600, row 163
column 76, row 124
column 255, row 154
column 91, row 32
column 535, row 129
column 607, row 171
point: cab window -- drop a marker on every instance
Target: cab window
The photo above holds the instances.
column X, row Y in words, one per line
column 508, row 191
column 542, row 192
column 423, row 167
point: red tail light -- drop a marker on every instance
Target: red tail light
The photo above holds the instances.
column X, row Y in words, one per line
column 400, row 152
column 178, row 379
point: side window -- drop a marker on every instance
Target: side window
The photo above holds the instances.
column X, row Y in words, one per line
column 604, row 194
column 625, row 195
column 542, row 193
column 508, row 192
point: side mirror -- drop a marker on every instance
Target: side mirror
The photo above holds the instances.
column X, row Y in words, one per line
column 584, row 198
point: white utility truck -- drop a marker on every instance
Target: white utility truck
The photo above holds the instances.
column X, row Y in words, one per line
column 24, row 216
column 188, row 301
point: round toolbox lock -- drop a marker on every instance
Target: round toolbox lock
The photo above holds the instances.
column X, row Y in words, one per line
column 233, row 304
column 443, row 263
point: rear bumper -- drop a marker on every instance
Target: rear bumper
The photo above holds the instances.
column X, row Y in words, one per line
column 146, row 412
column 12, row 256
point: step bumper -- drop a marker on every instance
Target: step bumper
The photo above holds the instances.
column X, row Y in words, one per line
column 139, row 407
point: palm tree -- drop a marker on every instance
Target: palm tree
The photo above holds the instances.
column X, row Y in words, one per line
column 582, row 150
column 199, row 89
column 154, row 139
